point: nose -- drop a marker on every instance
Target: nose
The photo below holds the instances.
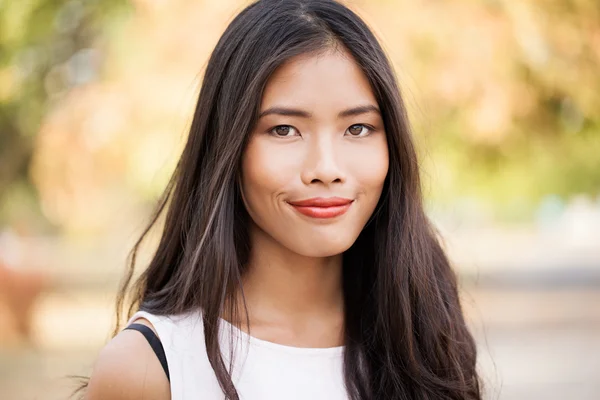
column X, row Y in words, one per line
column 321, row 164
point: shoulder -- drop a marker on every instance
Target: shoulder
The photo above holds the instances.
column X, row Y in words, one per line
column 128, row 369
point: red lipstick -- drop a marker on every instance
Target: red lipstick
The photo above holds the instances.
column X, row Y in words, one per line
column 322, row 207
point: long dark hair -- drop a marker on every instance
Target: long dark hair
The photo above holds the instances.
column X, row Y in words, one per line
column 405, row 334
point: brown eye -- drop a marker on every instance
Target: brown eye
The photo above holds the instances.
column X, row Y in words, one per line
column 358, row 130
column 283, row 131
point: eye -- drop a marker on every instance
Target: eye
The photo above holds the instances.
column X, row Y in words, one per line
column 283, row 131
column 359, row 130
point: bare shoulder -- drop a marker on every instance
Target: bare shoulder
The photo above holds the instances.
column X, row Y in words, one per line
column 128, row 369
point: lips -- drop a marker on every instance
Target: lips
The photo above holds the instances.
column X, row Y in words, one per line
column 322, row 207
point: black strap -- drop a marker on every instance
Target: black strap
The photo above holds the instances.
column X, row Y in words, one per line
column 155, row 343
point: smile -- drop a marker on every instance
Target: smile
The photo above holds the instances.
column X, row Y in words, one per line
column 322, row 207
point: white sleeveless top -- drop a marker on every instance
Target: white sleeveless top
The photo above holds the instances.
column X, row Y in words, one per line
column 262, row 370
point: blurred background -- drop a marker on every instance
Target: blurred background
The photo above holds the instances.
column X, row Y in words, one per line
column 504, row 95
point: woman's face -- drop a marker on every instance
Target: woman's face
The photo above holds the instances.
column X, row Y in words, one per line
column 315, row 164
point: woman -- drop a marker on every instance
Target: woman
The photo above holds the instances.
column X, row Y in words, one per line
column 296, row 260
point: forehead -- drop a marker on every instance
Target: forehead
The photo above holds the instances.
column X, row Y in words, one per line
column 319, row 82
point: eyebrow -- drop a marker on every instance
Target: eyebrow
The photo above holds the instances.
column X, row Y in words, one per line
column 293, row 112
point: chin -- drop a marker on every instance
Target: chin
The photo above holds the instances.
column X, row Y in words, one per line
column 318, row 246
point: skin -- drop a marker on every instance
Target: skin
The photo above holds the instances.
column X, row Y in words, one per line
column 128, row 369
column 293, row 285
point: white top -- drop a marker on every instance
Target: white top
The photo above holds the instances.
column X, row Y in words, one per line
column 262, row 370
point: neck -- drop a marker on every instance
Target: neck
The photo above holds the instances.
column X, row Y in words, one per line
column 282, row 286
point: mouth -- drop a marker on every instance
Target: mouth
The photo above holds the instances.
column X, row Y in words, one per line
column 322, row 207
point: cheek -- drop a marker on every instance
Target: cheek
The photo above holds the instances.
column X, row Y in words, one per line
column 265, row 171
column 369, row 166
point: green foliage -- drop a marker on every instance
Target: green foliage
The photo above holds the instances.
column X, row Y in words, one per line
column 509, row 89
column 43, row 47
column 538, row 134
